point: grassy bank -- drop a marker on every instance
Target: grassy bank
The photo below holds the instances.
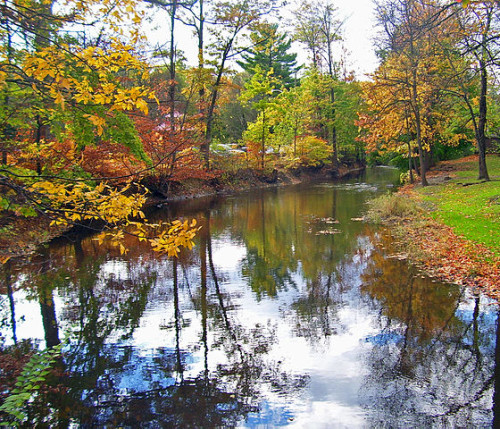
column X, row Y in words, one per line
column 469, row 206
column 452, row 227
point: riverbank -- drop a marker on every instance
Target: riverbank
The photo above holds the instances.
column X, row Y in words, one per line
column 21, row 236
column 451, row 228
column 247, row 179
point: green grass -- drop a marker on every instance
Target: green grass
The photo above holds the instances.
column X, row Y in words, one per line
column 473, row 211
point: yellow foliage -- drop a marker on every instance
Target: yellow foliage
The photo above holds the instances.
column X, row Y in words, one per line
column 81, row 202
column 69, row 75
column 179, row 234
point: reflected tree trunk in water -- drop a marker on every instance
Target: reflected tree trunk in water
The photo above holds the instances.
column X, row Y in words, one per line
column 49, row 319
column 263, row 218
column 476, row 327
column 327, row 328
column 496, row 380
column 10, row 293
column 204, row 304
column 79, row 253
column 221, row 299
column 177, row 315
column 47, row 307
column 404, row 360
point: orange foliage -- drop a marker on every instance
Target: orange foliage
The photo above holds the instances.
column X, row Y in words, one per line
column 110, row 161
column 172, row 142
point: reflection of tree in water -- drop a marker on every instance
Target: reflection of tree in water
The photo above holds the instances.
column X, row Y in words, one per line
column 7, row 304
column 287, row 238
column 433, row 363
column 265, row 278
column 110, row 382
column 315, row 313
column 155, row 390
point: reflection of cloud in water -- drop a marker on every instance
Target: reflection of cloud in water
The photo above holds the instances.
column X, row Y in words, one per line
column 227, row 254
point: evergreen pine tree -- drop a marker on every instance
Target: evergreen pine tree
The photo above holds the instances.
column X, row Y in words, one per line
column 271, row 51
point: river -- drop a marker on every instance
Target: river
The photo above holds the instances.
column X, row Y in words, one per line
column 289, row 311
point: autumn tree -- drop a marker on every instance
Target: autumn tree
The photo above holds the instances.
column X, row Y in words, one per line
column 260, row 91
column 318, row 28
column 408, row 74
column 74, row 93
column 230, row 21
column 480, row 30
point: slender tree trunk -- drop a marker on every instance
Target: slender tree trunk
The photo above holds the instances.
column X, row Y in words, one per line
column 6, row 99
column 418, row 126
column 172, row 83
column 295, row 129
column 415, row 166
column 480, row 132
column 263, row 139
column 333, row 131
column 409, row 163
column 205, row 147
column 171, row 94
column 39, row 136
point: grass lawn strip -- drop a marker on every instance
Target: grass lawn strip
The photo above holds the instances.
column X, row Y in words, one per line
column 469, row 206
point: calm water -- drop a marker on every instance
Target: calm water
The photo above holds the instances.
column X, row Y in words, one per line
column 288, row 312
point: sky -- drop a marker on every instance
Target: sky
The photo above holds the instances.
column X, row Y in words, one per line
column 359, row 32
column 358, row 17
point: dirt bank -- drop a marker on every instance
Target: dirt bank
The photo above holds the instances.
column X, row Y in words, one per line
column 247, row 179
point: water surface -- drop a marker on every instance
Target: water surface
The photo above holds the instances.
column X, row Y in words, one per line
column 289, row 311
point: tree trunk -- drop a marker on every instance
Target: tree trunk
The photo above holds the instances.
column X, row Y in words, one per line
column 40, row 135
column 480, row 132
column 172, row 83
column 418, row 126
column 205, row 147
column 409, row 163
column 263, row 142
column 335, row 160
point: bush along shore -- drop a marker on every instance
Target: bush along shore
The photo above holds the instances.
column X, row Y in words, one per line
column 451, row 228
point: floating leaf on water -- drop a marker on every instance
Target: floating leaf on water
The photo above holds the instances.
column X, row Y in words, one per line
column 329, row 232
column 398, row 256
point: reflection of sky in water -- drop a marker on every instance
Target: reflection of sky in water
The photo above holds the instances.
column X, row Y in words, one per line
column 141, row 372
column 269, row 415
column 338, row 354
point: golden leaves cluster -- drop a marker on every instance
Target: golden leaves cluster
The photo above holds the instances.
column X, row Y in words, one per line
column 120, row 210
column 89, row 76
